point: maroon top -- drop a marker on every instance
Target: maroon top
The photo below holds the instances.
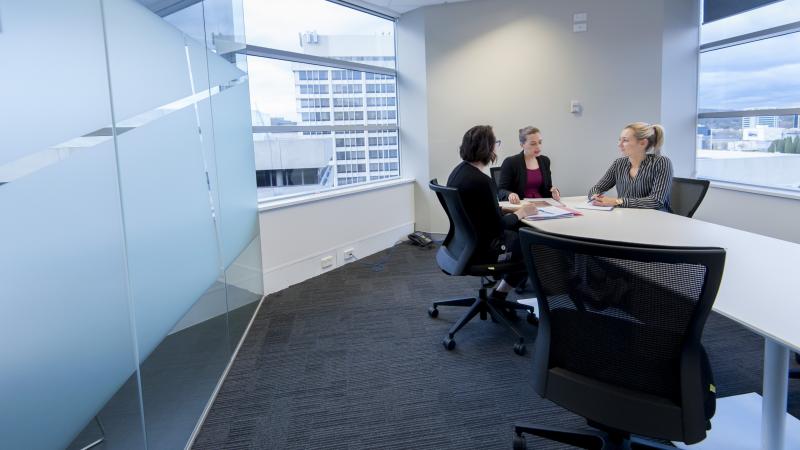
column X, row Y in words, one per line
column 533, row 184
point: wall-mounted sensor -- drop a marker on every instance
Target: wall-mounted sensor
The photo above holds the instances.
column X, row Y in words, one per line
column 575, row 107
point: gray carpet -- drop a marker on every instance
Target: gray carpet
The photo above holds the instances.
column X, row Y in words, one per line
column 351, row 360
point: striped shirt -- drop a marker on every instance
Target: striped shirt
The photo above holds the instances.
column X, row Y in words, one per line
column 650, row 189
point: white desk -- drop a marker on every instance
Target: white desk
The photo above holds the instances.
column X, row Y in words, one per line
column 758, row 290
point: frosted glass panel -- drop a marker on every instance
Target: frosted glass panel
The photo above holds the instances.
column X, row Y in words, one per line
column 37, row 109
column 147, row 59
column 172, row 247
column 115, row 242
column 65, row 327
column 235, row 171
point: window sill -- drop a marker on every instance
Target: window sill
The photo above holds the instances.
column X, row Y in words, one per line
column 760, row 190
column 268, row 205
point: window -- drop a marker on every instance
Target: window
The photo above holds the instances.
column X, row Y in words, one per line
column 348, row 115
column 346, row 75
column 313, row 88
column 749, row 99
column 314, row 103
column 352, row 102
column 381, row 101
column 316, row 116
column 379, row 88
column 381, row 115
column 312, row 74
column 346, row 88
column 350, row 142
column 309, row 95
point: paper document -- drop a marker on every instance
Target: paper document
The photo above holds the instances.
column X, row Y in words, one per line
column 552, row 212
column 539, row 203
column 591, row 206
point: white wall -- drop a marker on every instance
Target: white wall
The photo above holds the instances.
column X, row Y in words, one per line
column 294, row 239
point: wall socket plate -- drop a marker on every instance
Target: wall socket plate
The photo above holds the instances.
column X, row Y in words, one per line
column 348, row 253
column 327, row 262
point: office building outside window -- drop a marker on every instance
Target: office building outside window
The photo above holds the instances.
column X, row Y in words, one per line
column 323, row 98
column 749, row 99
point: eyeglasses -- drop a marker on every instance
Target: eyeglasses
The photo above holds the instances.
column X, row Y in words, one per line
column 497, row 143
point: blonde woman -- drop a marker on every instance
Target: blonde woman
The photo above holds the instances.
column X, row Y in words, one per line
column 643, row 176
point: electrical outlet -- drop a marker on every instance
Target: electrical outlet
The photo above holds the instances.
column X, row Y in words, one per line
column 327, row 262
column 348, row 254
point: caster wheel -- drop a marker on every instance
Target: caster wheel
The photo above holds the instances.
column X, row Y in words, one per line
column 519, row 349
column 433, row 312
column 449, row 343
column 532, row 319
column 519, row 443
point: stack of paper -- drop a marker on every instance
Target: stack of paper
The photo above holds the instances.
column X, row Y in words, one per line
column 551, row 212
column 591, row 206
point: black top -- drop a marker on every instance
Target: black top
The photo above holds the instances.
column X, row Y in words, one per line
column 479, row 196
column 514, row 176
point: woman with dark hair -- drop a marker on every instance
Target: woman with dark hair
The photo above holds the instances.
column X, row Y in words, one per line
column 496, row 238
column 527, row 174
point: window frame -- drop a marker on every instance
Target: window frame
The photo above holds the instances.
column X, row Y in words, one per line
column 383, row 74
column 759, row 35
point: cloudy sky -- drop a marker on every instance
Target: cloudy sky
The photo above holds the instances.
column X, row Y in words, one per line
column 761, row 74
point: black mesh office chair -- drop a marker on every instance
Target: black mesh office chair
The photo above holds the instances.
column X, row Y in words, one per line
column 686, row 195
column 495, row 173
column 453, row 258
column 619, row 339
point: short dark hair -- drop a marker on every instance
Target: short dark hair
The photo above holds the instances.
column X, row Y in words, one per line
column 478, row 145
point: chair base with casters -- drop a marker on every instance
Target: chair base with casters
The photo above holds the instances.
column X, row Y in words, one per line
column 483, row 307
column 590, row 439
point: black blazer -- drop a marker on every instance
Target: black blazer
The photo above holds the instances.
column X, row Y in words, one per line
column 513, row 176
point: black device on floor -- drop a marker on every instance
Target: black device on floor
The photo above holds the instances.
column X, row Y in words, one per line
column 420, row 239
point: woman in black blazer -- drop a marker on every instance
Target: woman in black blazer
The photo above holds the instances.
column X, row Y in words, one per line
column 527, row 174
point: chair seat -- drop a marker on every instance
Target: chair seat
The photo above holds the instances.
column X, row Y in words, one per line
column 615, row 406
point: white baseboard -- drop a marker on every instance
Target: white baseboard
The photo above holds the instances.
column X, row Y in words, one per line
column 293, row 272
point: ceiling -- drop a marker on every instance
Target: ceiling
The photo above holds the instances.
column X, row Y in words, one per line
column 404, row 6
column 390, row 7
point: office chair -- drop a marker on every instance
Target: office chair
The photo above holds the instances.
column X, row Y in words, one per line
column 619, row 339
column 686, row 195
column 453, row 257
column 495, row 173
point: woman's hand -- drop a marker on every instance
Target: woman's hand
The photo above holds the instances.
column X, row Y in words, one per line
column 602, row 200
column 527, row 209
column 513, row 198
column 555, row 193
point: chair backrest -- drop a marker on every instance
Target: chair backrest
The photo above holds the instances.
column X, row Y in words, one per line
column 462, row 239
column 620, row 324
column 495, row 173
column 686, row 195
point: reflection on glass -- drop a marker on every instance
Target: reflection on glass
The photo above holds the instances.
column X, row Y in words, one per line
column 757, row 75
column 772, row 15
column 321, row 28
column 757, row 150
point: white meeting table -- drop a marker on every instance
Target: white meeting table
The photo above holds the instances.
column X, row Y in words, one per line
column 759, row 287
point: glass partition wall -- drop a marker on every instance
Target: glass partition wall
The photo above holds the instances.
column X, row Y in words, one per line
column 131, row 263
